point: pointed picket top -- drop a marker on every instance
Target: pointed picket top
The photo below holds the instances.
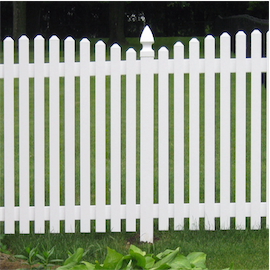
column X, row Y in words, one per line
column 85, row 40
column 256, row 32
column 209, row 37
column 147, row 40
column 54, row 37
column 241, row 33
column 225, row 35
column 38, row 37
column 147, row 35
column 178, row 44
column 23, row 37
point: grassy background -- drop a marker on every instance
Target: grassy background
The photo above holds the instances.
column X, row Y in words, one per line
column 247, row 249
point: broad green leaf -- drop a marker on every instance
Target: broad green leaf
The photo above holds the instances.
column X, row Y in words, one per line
column 89, row 266
column 180, row 261
column 137, row 250
column 165, row 260
column 149, row 262
column 67, row 266
column 22, row 257
column 112, row 259
column 123, row 262
column 197, row 259
column 140, row 260
column 76, row 257
column 165, row 253
column 79, row 267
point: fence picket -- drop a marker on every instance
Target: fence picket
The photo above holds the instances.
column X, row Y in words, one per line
column 209, row 134
column 69, row 135
column 147, row 136
column 163, row 138
column 131, row 141
column 240, row 130
column 54, row 135
column 24, row 133
column 100, row 137
column 178, row 136
column 115, row 138
column 9, row 134
column 194, row 134
column 39, row 134
column 256, row 115
column 85, row 181
column 268, row 133
column 225, row 131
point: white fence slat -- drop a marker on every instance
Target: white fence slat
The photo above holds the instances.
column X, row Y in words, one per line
column 194, row 134
column 69, row 135
column 100, row 116
column 147, row 136
column 24, row 133
column 225, row 131
column 85, row 184
column 131, row 141
column 54, row 134
column 178, row 136
column 240, row 141
column 256, row 110
column 209, row 133
column 9, row 135
column 39, row 134
column 115, row 138
column 163, row 138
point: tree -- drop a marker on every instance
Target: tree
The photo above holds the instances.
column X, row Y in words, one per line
column 19, row 19
column 116, row 23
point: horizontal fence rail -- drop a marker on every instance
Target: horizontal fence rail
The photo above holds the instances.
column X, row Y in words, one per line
column 134, row 139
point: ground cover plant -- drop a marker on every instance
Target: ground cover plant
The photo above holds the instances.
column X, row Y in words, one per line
column 248, row 249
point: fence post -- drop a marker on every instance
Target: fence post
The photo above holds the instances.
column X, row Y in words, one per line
column 146, row 136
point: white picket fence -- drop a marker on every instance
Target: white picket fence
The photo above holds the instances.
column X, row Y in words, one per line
column 146, row 67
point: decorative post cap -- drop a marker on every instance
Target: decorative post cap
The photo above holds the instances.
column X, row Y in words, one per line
column 147, row 40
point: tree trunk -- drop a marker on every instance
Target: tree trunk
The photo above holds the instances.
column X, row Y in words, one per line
column 19, row 19
column 116, row 23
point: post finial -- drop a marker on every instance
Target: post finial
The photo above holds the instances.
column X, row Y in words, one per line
column 147, row 40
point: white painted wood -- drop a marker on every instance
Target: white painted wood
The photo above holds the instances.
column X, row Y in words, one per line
column 194, row 134
column 54, row 135
column 39, row 134
column 240, row 141
column 85, row 185
column 163, row 138
column 256, row 115
column 178, row 136
column 115, row 138
column 24, row 133
column 146, row 136
column 9, row 135
column 225, row 131
column 100, row 116
column 131, row 141
column 146, row 67
column 209, row 133
column 69, row 135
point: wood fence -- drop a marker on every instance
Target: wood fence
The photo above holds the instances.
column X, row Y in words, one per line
column 146, row 67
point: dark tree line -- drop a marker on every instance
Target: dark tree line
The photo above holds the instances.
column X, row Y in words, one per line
column 117, row 20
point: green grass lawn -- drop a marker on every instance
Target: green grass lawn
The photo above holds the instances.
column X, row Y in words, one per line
column 247, row 249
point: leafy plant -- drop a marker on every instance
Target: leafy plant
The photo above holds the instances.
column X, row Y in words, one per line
column 29, row 259
column 3, row 248
column 45, row 259
column 74, row 261
column 138, row 259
